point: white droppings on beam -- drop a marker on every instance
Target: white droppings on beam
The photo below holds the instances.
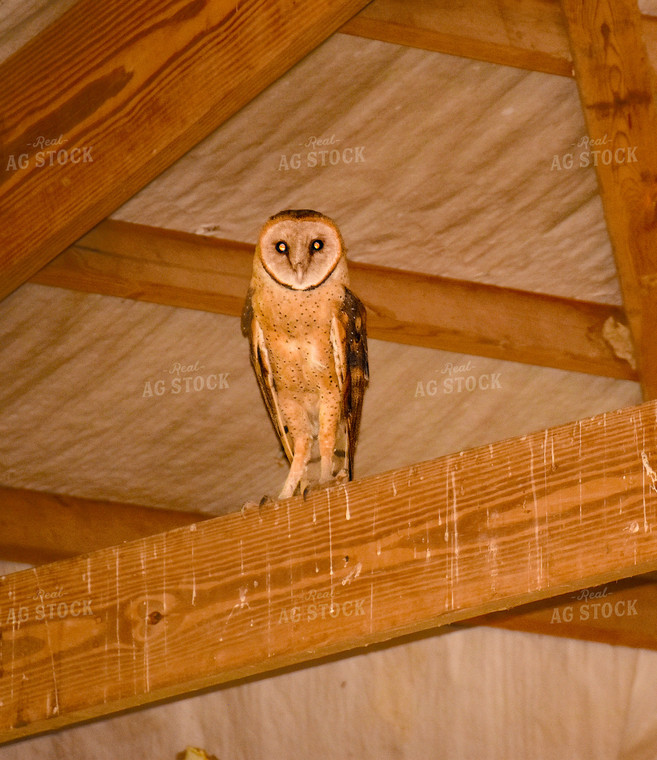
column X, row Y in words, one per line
column 652, row 476
column 193, row 563
column 328, row 509
column 649, row 471
column 353, row 574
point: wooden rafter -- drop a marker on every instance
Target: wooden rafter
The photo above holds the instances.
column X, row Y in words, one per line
column 38, row 527
column 528, row 35
column 531, row 34
column 192, row 271
column 616, row 85
column 439, row 542
column 622, row 613
column 113, row 93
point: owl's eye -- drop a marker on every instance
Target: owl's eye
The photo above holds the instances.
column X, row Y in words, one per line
column 281, row 246
column 316, row 245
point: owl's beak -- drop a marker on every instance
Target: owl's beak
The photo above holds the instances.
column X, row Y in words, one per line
column 300, row 270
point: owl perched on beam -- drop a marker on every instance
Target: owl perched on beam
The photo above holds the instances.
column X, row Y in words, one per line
column 306, row 331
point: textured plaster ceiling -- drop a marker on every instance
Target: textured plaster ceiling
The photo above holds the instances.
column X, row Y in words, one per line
column 431, row 163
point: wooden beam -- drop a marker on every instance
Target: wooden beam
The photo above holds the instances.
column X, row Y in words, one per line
column 620, row 613
column 529, row 35
column 438, row 542
column 112, row 93
column 616, row 85
column 180, row 269
column 38, row 527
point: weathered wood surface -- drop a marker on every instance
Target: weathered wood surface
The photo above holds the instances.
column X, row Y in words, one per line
column 112, row 93
column 616, row 85
column 442, row 541
column 530, row 35
column 38, row 527
column 620, row 613
column 180, row 269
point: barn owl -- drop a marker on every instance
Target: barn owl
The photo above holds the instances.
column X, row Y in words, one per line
column 308, row 343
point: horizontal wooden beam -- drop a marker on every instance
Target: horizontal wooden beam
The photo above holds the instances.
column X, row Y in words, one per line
column 192, row 271
column 438, row 542
column 529, row 35
column 617, row 89
column 112, row 93
column 38, row 527
column 620, row 613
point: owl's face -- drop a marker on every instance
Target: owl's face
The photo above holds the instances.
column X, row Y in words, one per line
column 300, row 249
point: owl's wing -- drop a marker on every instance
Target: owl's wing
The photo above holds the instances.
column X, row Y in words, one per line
column 263, row 372
column 349, row 341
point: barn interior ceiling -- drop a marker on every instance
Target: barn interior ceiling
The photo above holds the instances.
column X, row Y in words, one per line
column 132, row 429
column 430, row 163
column 480, row 171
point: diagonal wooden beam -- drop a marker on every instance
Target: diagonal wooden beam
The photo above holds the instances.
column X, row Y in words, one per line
column 113, row 93
column 192, row 271
column 38, row 527
column 408, row 550
column 616, row 85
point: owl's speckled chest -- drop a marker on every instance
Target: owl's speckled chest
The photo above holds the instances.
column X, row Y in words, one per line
column 297, row 329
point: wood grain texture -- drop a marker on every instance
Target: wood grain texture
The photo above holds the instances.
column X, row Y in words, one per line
column 38, row 527
column 442, row 541
column 531, row 35
column 111, row 94
column 616, row 85
column 180, row 269
column 622, row 613
column 528, row 35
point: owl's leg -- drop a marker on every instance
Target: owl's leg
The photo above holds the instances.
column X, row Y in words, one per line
column 298, row 425
column 329, row 418
column 300, row 461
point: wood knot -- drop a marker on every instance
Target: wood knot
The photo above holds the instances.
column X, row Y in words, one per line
column 154, row 618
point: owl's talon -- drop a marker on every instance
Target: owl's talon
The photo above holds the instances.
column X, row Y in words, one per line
column 248, row 505
column 312, row 487
column 255, row 505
